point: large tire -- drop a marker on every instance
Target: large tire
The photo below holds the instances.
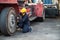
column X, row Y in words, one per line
column 8, row 21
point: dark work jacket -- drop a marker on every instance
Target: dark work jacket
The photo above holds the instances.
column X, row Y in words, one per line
column 25, row 19
column 25, row 24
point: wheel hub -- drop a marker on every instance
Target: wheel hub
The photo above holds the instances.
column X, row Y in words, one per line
column 11, row 23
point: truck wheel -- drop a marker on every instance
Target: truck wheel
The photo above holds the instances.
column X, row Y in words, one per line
column 8, row 21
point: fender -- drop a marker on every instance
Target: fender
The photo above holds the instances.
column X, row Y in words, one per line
column 39, row 10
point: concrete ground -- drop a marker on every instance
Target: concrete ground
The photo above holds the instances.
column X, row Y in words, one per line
column 47, row 30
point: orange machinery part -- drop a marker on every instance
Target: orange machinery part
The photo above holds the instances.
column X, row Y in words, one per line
column 8, row 1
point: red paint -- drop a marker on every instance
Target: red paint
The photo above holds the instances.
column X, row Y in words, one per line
column 38, row 10
column 15, row 6
column 8, row 1
column 28, row 9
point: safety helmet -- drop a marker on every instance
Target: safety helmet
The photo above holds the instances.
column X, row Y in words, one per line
column 23, row 10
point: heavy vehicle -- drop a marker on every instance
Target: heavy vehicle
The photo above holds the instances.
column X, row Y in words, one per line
column 50, row 8
column 9, row 11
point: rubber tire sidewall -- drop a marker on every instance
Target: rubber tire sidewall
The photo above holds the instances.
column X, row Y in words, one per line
column 4, row 16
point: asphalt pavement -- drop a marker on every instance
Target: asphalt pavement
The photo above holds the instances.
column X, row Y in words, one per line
column 47, row 30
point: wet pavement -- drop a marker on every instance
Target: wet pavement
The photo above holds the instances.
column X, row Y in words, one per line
column 47, row 30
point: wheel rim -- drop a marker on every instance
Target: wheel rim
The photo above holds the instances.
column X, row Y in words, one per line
column 11, row 23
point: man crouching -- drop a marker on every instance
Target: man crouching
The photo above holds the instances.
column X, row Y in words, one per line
column 24, row 23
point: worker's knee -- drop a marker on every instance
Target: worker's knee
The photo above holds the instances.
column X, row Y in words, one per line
column 26, row 29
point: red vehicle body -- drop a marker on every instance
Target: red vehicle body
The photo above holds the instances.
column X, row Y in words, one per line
column 9, row 10
column 37, row 11
column 8, row 1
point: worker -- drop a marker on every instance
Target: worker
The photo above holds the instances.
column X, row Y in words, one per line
column 24, row 22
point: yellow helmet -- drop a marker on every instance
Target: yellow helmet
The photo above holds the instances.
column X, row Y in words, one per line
column 23, row 10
